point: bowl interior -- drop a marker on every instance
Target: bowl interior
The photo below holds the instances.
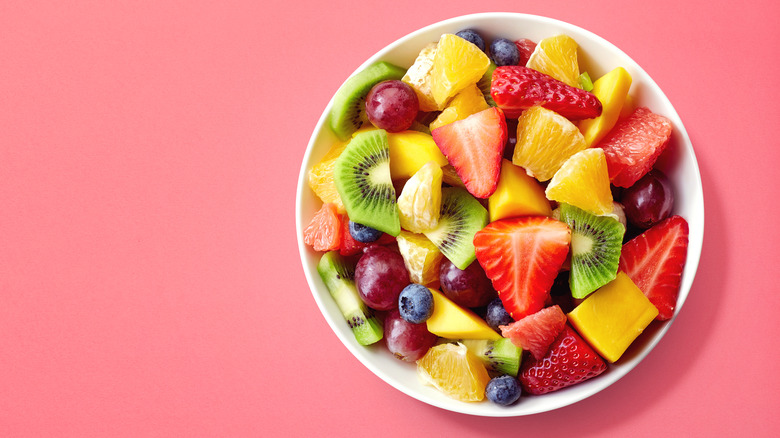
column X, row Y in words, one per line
column 597, row 56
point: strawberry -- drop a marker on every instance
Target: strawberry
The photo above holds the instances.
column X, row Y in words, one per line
column 654, row 261
column 516, row 88
column 324, row 232
column 525, row 47
column 522, row 257
column 569, row 360
column 536, row 332
column 474, row 147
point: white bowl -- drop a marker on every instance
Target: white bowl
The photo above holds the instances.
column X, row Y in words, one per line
column 597, row 56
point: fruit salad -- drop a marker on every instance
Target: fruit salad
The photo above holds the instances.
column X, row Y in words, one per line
column 492, row 216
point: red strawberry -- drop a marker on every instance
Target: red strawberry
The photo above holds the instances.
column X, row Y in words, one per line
column 536, row 332
column 522, row 257
column 350, row 246
column 324, row 232
column 516, row 88
column 654, row 261
column 525, row 47
column 474, row 147
column 634, row 144
column 569, row 360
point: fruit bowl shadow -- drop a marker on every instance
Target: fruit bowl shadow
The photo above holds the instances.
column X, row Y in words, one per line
column 597, row 56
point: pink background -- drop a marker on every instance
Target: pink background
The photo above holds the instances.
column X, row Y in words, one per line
column 150, row 283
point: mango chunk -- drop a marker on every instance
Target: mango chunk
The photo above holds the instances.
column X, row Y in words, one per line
column 611, row 89
column 451, row 321
column 517, row 194
column 613, row 316
column 409, row 151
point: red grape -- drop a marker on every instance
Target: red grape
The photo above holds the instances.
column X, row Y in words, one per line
column 649, row 200
column 469, row 287
column 407, row 341
column 380, row 276
column 392, row 106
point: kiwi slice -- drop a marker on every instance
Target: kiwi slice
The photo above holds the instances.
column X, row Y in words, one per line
column 461, row 217
column 348, row 111
column 339, row 277
column 596, row 242
column 485, row 82
column 500, row 356
column 362, row 177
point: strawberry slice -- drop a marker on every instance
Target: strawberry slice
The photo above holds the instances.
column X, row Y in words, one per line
column 536, row 332
column 474, row 147
column 569, row 360
column 522, row 257
column 324, row 232
column 654, row 261
column 516, row 88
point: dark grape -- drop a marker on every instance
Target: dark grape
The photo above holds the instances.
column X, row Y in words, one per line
column 380, row 276
column 649, row 201
column 467, row 288
column 392, row 106
column 407, row 341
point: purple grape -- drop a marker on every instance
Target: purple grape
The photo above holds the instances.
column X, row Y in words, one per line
column 649, row 201
column 392, row 106
column 380, row 276
column 467, row 288
column 407, row 341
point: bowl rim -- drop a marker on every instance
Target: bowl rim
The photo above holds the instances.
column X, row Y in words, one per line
column 695, row 233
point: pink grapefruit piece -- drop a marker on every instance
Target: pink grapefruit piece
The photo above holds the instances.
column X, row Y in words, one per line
column 536, row 332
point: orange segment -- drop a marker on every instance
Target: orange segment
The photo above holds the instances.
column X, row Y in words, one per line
column 420, row 200
column 583, row 181
column 557, row 56
column 321, row 177
column 456, row 65
column 455, row 371
column 421, row 257
column 545, row 140
column 467, row 102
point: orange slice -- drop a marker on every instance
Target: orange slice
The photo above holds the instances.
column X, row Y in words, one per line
column 557, row 56
column 456, row 65
column 321, row 177
column 455, row 371
column 583, row 181
column 421, row 257
column 467, row 102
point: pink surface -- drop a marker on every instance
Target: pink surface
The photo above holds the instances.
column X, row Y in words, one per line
column 150, row 283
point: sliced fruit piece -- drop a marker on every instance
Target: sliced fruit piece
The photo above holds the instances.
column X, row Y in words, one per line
column 611, row 90
column 485, row 83
column 321, row 177
column 461, row 216
column 595, row 249
column 516, row 88
column 339, row 277
column 362, row 176
column 419, row 203
column 522, row 257
column 517, row 194
column 570, row 360
column 500, row 356
column 409, row 151
column 654, row 261
column 536, row 332
column 455, row 371
column 421, row 257
column 545, row 140
column 456, row 65
column 526, row 47
column 613, row 316
column 348, row 111
column 634, row 144
column 452, row 321
column 324, row 231
column 469, row 101
column 419, row 78
column 583, row 181
column 474, row 147
column 557, row 56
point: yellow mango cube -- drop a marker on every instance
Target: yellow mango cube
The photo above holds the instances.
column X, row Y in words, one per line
column 409, row 151
column 517, row 194
column 611, row 89
column 451, row 321
column 613, row 316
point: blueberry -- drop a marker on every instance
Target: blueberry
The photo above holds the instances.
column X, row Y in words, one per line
column 496, row 315
column 415, row 304
column 363, row 233
column 504, row 52
column 503, row 390
column 473, row 37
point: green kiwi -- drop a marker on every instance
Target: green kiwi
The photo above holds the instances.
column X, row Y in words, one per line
column 500, row 356
column 596, row 242
column 362, row 177
column 348, row 111
column 461, row 216
column 339, row 277
column 485, row 82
